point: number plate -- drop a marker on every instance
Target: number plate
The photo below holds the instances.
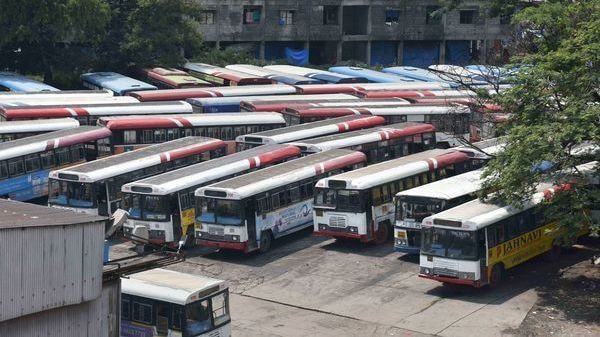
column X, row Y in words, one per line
column 401, row 234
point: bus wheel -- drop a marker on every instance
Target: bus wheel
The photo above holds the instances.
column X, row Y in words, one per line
column 265, row 241
column 497, row 275
column 382, row 234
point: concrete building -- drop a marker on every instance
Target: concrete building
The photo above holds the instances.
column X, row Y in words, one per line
column 370, row 31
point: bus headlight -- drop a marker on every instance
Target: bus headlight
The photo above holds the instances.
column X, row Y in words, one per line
column 466, row 275
column 232, row 238
column 353, row 229
column 425, row 270
column 156, row 234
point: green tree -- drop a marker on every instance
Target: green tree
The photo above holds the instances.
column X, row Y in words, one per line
column 161, row 31
column 50, row 35
column 554, row 107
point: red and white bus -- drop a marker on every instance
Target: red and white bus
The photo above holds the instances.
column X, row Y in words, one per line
column 34, row 95
column 452, row 123
column 60, row 100
column 131, row 132
column 89, row 114
column 223, row 76
column 360, row 204
column 378, row 143
column 183, row 94
column 308, row 130
column 370, row 94
column 248, row 212
column 258, row 105
column 21, row 129
column 351, row 88
column 169, row 78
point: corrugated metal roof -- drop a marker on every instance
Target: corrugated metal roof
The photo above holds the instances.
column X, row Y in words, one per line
column 14, row 214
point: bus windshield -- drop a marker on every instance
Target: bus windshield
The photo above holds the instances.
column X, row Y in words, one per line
column 341, row 200
column 203, row 316
column 449, row 243
column 224, row 212
column 71, row 193
column 147, row 207
column 417, row 209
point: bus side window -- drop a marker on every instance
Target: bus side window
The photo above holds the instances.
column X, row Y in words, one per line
column 491, row 236
column 275, row 201
column 239, row 131
column 295, row 194
column 142, row 312
column 125, row 310
column 15, row 166
column 376, row 195
column 263, row 205
column 162, row 318
column 177, row 315
column 47, row 159
column 32, row 163
column 3, row 170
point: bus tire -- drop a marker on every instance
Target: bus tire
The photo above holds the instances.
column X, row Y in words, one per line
column 266, row 238
column 496, row 276
column 382, row 234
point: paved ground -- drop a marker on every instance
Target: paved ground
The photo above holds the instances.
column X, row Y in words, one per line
column 308, row 286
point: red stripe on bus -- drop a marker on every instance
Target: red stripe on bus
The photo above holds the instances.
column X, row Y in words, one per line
column 196, row 149
column 409, row 131
column 361, row 123
column 81, row 111
column 184, row 121
column 35, row 113
column 451, row 158
column 82, row 137
column 172, row 94
column 343, row 161
column 141, row 123
column 163, row 158
column 279, row 155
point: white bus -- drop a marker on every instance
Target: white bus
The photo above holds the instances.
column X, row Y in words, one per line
column 20, row 129
column 247, row 212
column 308, row 130
column 415, row 204
column 60, row 100
column 378, row 143
column 95, row 187
column 165, row 203
column 63, row 93
column 359, row 204
column 163, row 302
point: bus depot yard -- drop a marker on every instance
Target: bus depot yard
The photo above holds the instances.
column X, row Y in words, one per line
column 312, row 286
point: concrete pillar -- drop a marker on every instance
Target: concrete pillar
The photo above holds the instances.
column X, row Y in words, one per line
column 400, row 52
column 338, row 53
column 442, row 59
column 484, row 52
column 261, row 50
column 218, row 44
column 368, row 53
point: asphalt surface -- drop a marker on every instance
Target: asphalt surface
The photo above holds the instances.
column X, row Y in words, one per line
column 321, row 287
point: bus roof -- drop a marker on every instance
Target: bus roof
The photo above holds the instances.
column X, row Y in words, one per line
column 19, row 83
column 416, row 73
column 394, row 169
column 271, row 177
column 414, row 93
column 47, row 125
column 325, row 76
column 171, row 286
column 173, row 78
column 191, row 120
column 226, row 74
column 83, row 110
column 449, row 188
column 314, row 129
column 63, row 93
column 372, row 75
column 273, row 74
column 58, row 100
column 457, row 74
column 121, row 163
column 115, row 82
column 275, row 98
column 380, row 111
column 357, row 137
column 349, row 88
column 51, row 140
column 182, row 94
column 212, row 170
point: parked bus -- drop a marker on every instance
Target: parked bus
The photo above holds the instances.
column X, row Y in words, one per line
column 279, row 104
column 350, row 103
column 273, row 75
column 321, row 75
column 21, row 129
column 89, row 114
column 138, row 131
column 308, row 130
column 476, row 242
column 161, row 302
column 64, row 101
column 418, row 74
column 359, row 205
column 349, row 88
column 95, row 187
column 19, row 83
column 415, row 204
column 247, row 212
column 165, row 203
column 439, row 94
column 378, row 143
column 458, row 74
column 25, row 162
column 372, row 75
column 169, row 78
column 183, row 94
column 223, row 76
column 452, row 123
column 117, row 83
column 232, row 104
column 16, row 96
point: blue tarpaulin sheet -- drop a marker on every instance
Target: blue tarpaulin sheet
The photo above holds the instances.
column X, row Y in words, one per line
column 458, row 52
column 421, row 54
column 383, row 52
column 298, row 57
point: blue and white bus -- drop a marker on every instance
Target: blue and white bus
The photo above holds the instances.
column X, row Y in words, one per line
column 418, row 74
column 19, row 83
column 247, row 212
column 117, row 83
column 26, row 162
column 273, row 74
column 322, row 75
column 372, row 75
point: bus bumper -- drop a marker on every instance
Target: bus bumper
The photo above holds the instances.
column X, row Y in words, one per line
column 340, row 234
column 452, row 280
column 407, row 249
column 240, row 246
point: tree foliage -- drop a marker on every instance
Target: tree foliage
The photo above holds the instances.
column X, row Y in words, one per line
column 554, row 108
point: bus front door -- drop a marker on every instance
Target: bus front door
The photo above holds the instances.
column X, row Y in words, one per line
column 251, row 226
